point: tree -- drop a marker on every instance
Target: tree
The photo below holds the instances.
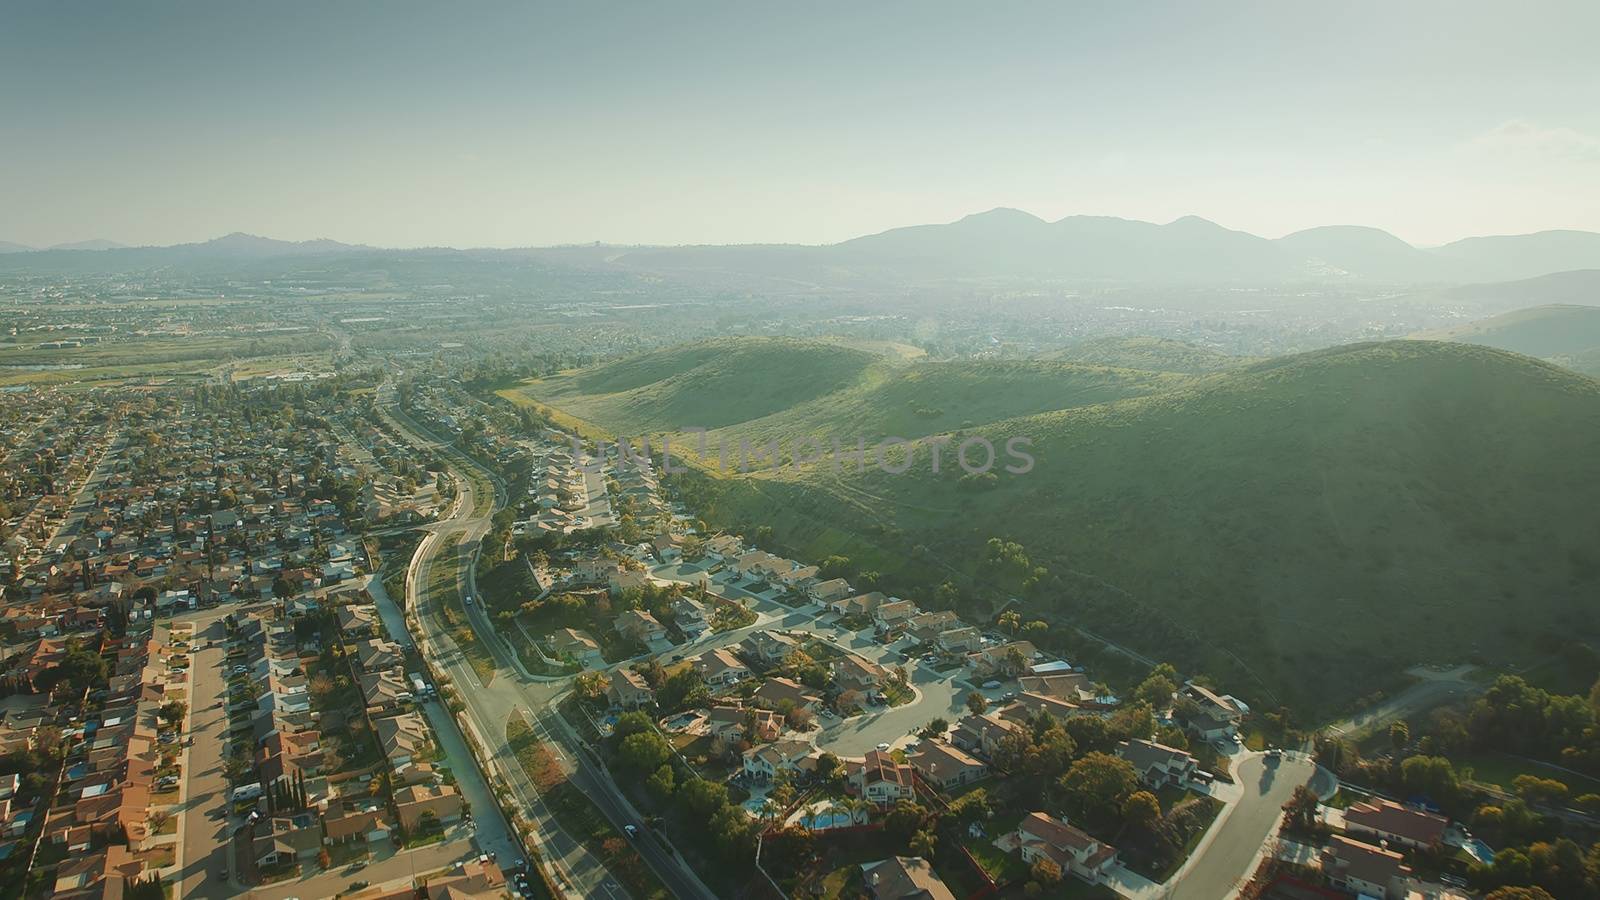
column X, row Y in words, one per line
column 1010, row 620
column 977, row 704
column 644, row 752
column 1519, row 893
column 631, row 723
column 935, row 727
column 662, row 783
column 172, row 711
column 1534, row 789
column 281, row 588
column 924, row 843
column 1399, row 734
column 702, row 798
column 827, row 765
column 1141, row 809
column 971, row 806
column 1045, row 872
column 904, row 820
column 1157, row 688
column 1096, row 787
column 1300, row 812
column 590, row 685
column 320, row 686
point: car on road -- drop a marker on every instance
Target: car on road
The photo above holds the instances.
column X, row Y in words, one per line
column 631, row 830
column 883, row 748
column 991, row 685
column 357, row 885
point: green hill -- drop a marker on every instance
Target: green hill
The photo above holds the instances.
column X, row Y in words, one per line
column 1150, row 353
column 708, row 384
column 1303, row 527
column 759, row 390
column 1569, row 335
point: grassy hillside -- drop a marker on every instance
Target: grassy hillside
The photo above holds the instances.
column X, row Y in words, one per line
column 707, row 385
column 1560, row 333
column 1303, row 527
column 1150, row 353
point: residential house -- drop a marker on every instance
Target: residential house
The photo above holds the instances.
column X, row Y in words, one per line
column 1383, row 820
column 965, row 639
column 690, row 614
column 411, row 803
column 828, row 591
column 857, row 673
column 766, row 761
column 723, row 547
column 640, row 626
column 774, row 692
column 1041, row 837
column 1366, row 870
column 1223, row 707
column 903, row 878
column 737, row 723
column 881, row 779
column 279, row 841
column 623, row 580
column 577, row 645
column 345, row 826
column 385, row 692
column 1072, row 686
column 101, row 875
column 929, row 625
column 376, row 655
column 475, row 879
column 720, row 668
column 892, row 616
column 1029, row 705
column 858, row 604
column 629, row 690
column 1157, row 764
column 982, row 734
column 1007, row 660
column 404, row 738
column 358, row 621
column 769, row 648
column 946, row 766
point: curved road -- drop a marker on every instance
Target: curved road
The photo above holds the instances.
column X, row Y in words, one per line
column 1225, row 858
column 511, row 691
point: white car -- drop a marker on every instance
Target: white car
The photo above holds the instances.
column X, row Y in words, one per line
column 883, row 748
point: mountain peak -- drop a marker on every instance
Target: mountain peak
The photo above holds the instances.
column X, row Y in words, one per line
column 1004, row 214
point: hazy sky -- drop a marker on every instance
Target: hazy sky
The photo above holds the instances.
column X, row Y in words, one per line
column 684, row 122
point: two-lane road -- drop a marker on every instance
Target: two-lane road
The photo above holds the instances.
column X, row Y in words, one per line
column 1222, row 861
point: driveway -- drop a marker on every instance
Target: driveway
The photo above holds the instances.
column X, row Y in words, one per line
column 1226, row 855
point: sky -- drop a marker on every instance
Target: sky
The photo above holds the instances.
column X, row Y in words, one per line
column 521, row 124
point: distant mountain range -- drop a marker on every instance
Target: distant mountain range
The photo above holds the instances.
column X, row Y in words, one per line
column 96, row 244
column 1001, row 244
column 1010, row 243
